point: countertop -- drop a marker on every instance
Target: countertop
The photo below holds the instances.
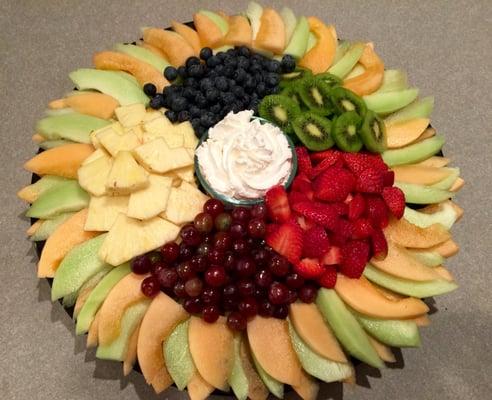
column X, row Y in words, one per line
column 446, row 49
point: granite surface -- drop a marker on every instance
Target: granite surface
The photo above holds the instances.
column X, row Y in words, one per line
column 446, row 48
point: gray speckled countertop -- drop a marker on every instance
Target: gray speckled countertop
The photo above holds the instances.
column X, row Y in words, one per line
column 446, row 48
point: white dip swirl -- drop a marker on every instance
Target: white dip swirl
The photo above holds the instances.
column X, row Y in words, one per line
column 243, row 158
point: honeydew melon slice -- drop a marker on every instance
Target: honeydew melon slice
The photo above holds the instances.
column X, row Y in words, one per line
column 415, row 152
column 393, row 80
column 420, row 194
column 342, row 47
column 51, row 144
column 274, row 386
column 59, row 111
column 388, row 102
column 297, row 45
column 72, row 298
column 48, row 226
column 407, row 287
column 407, row 234
column 343, row 66
column 72, row 126
column 290, row 22
column 32, row 192
column 143, row 54
column 254, row 12
column 384, row 352
column 221, row 23
column 446, row 216
column 421, row 108
column 311, row 42
column 428, row 258
column 177, row 355
column 356, row 71
column 447, row 182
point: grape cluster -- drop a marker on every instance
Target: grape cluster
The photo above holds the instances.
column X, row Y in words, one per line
column 223, row 267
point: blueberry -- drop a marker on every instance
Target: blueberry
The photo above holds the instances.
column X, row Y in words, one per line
column 178, row 103
column 195, row 123
column 206, row 53
column 272, row 80
column 260, row 89
column 200, row 100
column 244, row 51
column 239, row 75
column 182, row 71
column 229, row 71
column 171, row 115
column 207, row 119
column 216, row 108
column 231, row 52
column 273, row 66
column 236, row 107
column 156, row 102
column 170, row 73
column 212, row 94
column 200, row 131
column 238, row 91
column 227, row 98
column 219, row 69
column 190, row 82
column 288, row 63
column 205, row 84
column 242, row 62
column 259, row 77
column 196, row 71
column 192, row 61
column 183, row 116
column 221, row 83
column 149, row 89
column 189, row 93
column 194, row 111
column 221, row 56
column 230, row 61
column 213, row 61
column 249, row 83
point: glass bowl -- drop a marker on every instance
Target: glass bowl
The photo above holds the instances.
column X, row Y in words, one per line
column 231, row 200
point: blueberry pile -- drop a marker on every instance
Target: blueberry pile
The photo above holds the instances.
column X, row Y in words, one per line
column 206, row 89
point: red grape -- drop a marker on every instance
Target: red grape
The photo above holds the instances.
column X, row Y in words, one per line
column 154, row 257
column 210, row 295
column 150, row 287
column 261, row 256
column 204, row 222
column 213, row 207
column 266, row 309
column 167, row 278
column 185, row 252
column 179, row 290
column 240, row 247
column 245, row 267
column 223, row 222
column 279, row 266
column 229, row 261
column 193, row 287
column 240, row 214
column 170, row 252
column 185, row 270
column 307, row 294
column 141, row 265
column 222, row 241
column 230, row 292
column 256, row 228
column 259, row 211
column 210, row 313
column 246, row 288
column 236, row 321
column 215, row 276
column 263, row 278
column 190, row 235
column 278, row 292
column 193, row 305
column 216, row 256
column 157, row 267
column 199, row 263
column 294, row 280
column 281, row 311
column 203, row 249
column 237, row 230
column 248, row 307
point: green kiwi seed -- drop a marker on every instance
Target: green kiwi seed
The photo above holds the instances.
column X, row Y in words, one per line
column 345, row 100
column 279, row 109
column 315, row 94
column 344, row 131
column 314, row 131
column 373, row 133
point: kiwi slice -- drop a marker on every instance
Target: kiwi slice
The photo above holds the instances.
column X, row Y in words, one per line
column 330, row 79
column 315, row 94
column 345, row 100
column 344, row 131
column 293, row 76
column 313, row 130
column 292, row 91
column 373, row 132
column 279, row 109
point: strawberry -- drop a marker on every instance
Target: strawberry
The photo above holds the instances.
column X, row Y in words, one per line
column 316, row 242
column 356, row 207
column 370, row 181
column 388, row 178
column 270, row 228
column 277, row 204
column 304, row 165
column 305, row 223
column 323, row 166
column 329, row 278
column 322, row 214
column 358, row 162
column 377, row 211
column 355, row 257
column 395, row 200
column 302, row 183
column 332, row 256
column 379, row 245
column 331, row 155
column 309, row 268
column 296, row 197
column 287, row 240
column 362, row 229
column 340, row 208
column 334, row 184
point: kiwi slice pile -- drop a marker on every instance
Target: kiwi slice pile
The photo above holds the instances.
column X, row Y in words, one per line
column 318, row 111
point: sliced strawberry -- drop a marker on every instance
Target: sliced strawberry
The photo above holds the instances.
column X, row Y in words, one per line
column 309, row 268
column 355, row 257
column 334, row 184
column 270, row 228
column 304, row 165
column 331, row 155
column 296, row 197
column 322, row 214
column 356, row 207
column 305, row 223
column 388, row 178
column 370, row 181
column 340, row 208
column 379, row 245
column 358, row 162
column 344, row 230
column 287, row 240
column 316, row 242
column 277, row 204
column 329, row 278
column 333, row 256
column 362, row 228
column 395, row 200
column 377, row 211
column 302, row 183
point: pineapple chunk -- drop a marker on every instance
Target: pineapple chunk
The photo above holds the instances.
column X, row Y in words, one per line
column 98, row 153
column 151, row 201
column 172, row 140
column 94, row 140
column 162, row 127
column 186, row 174
column 92, row 176
column 156, row 156
column 126, row 175
column 158, row 125
column 129, row 237
column 138, row 131
column 103, row 211
column 94, row 135
column 191, row 152
column 131, row 114
column 151, row 115
column 115, row 143
column 184, row 204
column 186, row 130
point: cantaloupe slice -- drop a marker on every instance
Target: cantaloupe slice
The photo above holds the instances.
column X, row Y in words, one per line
column 199, row 388
column 399, row 262
column 307, row 388
column 444, row 273
column 131, row 354
column 124, row 294
column 212, row 347
column 38, row 138
column 446, row 249
column 434, row 161
column 90, row 103
column 419, row 175
column 210, row 34
column 389, row 294
column 239, row 33
column 256, row 388
column 384, row 352
column 270, row 343
column 153, row 49
column 271, row 35
column 311, row 327
column 403, row 133
column 189, row 34
column 34, row 227
column 92, row 333
column 406, row 234
column 457, row 185
column 159, row 321
column 428, row 133
column 363, row 297
column 174, row 46
column 61, row 161
column 84, row 293
column 372, row 78
column 433, row 208
column 142, row 71
column 321, row 56
column 423, row 320
column 64, row 238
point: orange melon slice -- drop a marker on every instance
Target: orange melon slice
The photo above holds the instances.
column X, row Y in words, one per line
column 131, row 353
column 142, row 71
column 188, row 34
column 199, row 388
column 444, row 273
column 320, row 57
column 446, row 249
column 401, row 134
column 212, row 347
column 174, row 46
column 61, row 161
column 68, row 235
column 96, row 104
column 423, row 320
column 38, row 138
column 271, row 35
column 406, row 234
column 92, row 334
column 419, row 175
column 270, row 343
column 457, row 185
column 311, row 327
column 372, row 78
column 81, row 299
column 435, row 161
column 384, row 352
column 124, row 294
column 239, row 33
column 428, row 133
column 256, row 388
column 34, row 227
column 307, row 388
column 401, row 264
column 363, row 297
column 209, row 33
column 153, row 49
column 389, row 294
column 432, row 208
column 158, row 322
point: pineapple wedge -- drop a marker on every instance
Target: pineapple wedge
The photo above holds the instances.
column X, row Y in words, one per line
column 184, row 204
column 93, row 176
column 156, row 156
column 172, row 140
column 126, row 175
column 151, row 201
column 158, row 125
column 103, row 211
column 114, row 143
column 98, row 153
column 131, row 114
column 186, row 174
column 162, row 127
column 190, row 141
column 138, row 131
column 129, row 237
column 115, row 127
column 151, row 115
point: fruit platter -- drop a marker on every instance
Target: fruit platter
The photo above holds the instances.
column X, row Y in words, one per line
column 243, row 204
